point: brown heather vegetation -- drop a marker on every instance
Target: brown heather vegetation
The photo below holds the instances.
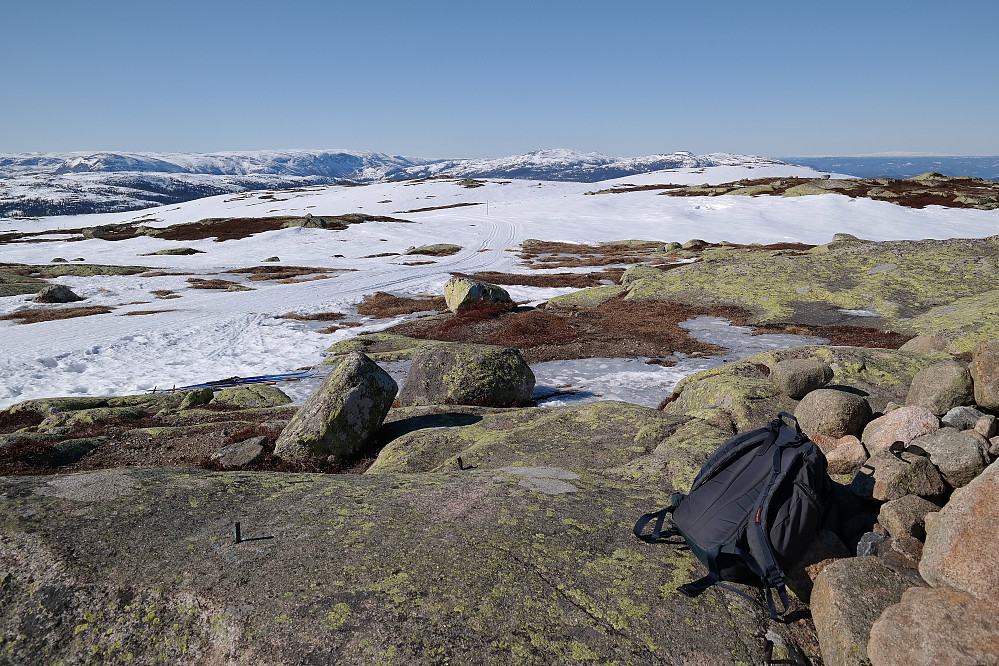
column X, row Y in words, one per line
column 575, row 280
column 35, row 315
column 382, row 305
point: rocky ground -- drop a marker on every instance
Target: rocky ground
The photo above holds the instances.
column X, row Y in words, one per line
column 444, row 521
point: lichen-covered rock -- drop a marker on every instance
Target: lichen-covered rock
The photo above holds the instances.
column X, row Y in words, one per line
column 240, row 454
column 196, row 397
column 906, row 516
column 748, row 397
column 933, row 286
column 985, row 371
column 887, row 476
column 832, row 412
column 342, row 413
column 799, row 376
column 467, row 374
column 435, row 250
column 928, row 342
column 588, row 437
column 460, row 568
column 961, row 545
column 377, row 346
column 462, row 292
column 590, row 297
column 936, row 626
column 900, row 425
column 847, row 598
column 251, row 395
column 959, row 456
column 941, row 387
column 56, row 293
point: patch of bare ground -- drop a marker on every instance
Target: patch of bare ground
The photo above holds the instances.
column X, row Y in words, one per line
column 164, row 294
column 615, row 329
column 145, row 312
column 850, row 336
column 281, row 272
column 215, row 283
column 575, row 280
column 636, row 188
column 318, row 316
column 382, row 305
column 35, row 315
column 911, row 193
column 418, row 263
column 305, row 279
column 429, row 208
column 555, row 254
column 150, row 274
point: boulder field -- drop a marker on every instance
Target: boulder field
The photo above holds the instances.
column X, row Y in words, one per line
column 459, row 526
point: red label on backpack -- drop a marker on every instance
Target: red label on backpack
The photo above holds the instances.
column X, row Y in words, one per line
column 759, row 512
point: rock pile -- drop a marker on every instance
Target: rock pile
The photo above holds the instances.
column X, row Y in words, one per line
column 918, row 492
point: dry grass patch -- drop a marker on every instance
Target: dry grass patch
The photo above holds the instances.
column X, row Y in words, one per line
column 280, row 272
column 382, row 305
column 145, row 312
column 215, row 283
column 424, row 210
column 318, row 316
column 35, row 315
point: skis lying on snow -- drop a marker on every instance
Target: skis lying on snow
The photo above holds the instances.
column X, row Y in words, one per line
column 259, row 379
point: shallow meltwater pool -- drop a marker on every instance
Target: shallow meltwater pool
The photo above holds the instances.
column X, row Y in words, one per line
column 632, row 380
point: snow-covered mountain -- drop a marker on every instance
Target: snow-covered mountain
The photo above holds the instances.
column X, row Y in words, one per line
column 76, row 183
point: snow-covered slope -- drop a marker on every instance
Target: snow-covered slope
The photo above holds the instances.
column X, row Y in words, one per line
column 34, row 185
column 199, row 334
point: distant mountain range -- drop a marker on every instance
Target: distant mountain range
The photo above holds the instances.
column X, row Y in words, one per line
column 903, row 166
column 42, row 184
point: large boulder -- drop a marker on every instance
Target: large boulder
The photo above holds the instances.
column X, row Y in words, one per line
column 906, row 516
column 959, row 456
column 342, row 414
column 833, row 413
column 941, row 387
column 799, row 376
column 56, row 293
column 985, row 373
column 462, row 292
column 461, row 568
column 745, row 394
column 847, row 598
column 961, row 545
column 936, row 626
column 448, row 373
column 962, row 418
column 900, row 425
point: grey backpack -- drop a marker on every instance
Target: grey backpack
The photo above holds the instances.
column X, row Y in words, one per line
column 753, row 509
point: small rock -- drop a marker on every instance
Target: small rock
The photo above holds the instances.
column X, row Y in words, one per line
column 799, row 376
column 56, row 293
column 962, row 418
column 869, row 543
column 58, row 260
column 902, row 425
column 847, row 457
column 843, row 618
column 936, row 626
column 958, row 456
column 985, row 374
column 694, row 244
column 832, row 412
column 272, row 259
column 887, row 477
column 241, row 453
column 197, row 397
column 941, row 387
column 906, row 516
column 901, row 551
column 987, row 426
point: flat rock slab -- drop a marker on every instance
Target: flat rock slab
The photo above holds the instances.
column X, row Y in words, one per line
column 468, row 567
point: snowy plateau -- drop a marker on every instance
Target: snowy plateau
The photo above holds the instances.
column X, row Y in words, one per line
column 201, row 335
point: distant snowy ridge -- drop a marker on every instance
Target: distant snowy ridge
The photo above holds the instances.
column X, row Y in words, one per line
column 42, row 184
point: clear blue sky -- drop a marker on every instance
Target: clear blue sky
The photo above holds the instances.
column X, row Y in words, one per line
column 471, row 79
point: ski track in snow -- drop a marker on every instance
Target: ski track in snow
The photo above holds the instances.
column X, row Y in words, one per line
column 210, row 334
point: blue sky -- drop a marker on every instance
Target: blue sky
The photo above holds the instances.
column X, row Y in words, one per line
column 471, row 79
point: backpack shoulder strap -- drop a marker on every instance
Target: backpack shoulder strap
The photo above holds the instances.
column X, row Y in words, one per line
column 660, row 518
